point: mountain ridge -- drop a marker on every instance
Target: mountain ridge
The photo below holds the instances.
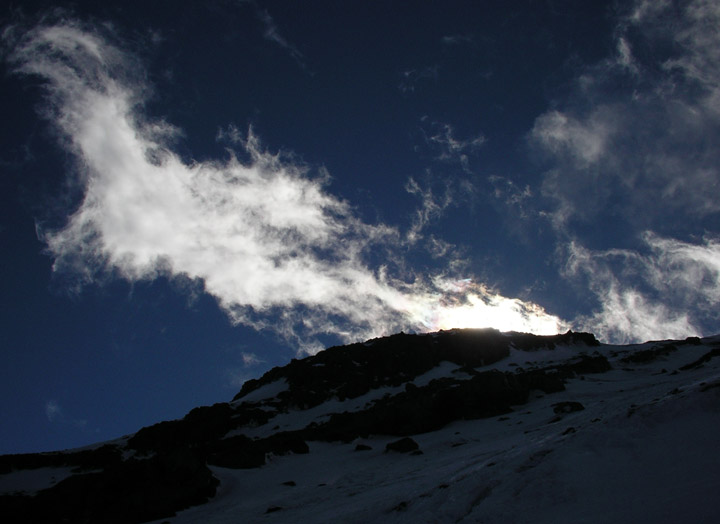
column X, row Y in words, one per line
column 398, row 387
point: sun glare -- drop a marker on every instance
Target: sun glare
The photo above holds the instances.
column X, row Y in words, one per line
column 465, row 304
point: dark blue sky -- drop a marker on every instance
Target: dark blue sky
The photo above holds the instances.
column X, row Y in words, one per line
column 194, row 192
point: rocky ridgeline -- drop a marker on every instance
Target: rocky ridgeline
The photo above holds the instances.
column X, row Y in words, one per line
column 353, row 370
column 164, row 468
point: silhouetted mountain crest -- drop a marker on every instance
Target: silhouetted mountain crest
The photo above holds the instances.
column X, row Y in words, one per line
column 397, row 386
column 352, row 370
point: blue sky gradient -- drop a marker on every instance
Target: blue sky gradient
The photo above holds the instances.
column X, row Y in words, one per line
column 196, row 192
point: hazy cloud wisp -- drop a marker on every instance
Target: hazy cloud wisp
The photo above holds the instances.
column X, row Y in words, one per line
column 263, row 237
column 632, row 288
column 636, row 145
column 636, row 136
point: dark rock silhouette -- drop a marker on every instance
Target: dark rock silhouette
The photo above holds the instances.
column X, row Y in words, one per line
column 404, row 445
column 163, row 468
column 351, row 371
column 124, row 491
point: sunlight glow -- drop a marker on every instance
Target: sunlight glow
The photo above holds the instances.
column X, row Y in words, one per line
column 264, row 238
column 466, row 304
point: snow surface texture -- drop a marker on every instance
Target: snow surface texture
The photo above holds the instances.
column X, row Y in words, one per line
column 643, row 449
column 637, row 443
column 30, row 481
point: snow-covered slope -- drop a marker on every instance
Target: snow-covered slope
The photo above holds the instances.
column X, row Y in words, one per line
column 566, row 431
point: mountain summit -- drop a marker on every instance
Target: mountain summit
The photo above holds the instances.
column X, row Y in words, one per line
column 455, row 426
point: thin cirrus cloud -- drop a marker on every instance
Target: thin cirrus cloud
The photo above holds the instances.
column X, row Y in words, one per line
column 450, row 148
column 432, row 206
column 643, row 129
column 637, row 145
column 55, row 414
column 272, row 33
column 263, row 237
column 53, row 411
column 658, row 302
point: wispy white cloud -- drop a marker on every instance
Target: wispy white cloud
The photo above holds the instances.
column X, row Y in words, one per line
column 442, row 138
column 637, row 134
column 251, row 359
column 514, row 197
column 699, row 58
column 687, row 272
column 53, row 411
column 263, row 236
column 431, row 207
column 581, row 142
column 272, row 33
column 668, row 290
column 625, row 56
column 440, row 248
column 236, row 376
column 634, row 146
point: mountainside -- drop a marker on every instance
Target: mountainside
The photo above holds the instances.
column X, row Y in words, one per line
column 455, row 426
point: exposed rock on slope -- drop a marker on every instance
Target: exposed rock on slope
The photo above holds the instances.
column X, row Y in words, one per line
column 353, row 370
column 398, row 386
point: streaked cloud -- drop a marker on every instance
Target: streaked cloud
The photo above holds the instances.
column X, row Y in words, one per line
column 263, row 236
column 635, row 135
column 448, row 147
column 514, row 197
column 686, row 274
column 431, row 207
column 666, row 290
column 272, row 33
column 625, row 56
column 635, row 145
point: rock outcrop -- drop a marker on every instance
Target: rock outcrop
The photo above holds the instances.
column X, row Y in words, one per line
column 163, row 468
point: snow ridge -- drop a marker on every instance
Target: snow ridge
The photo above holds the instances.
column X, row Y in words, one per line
column 458, row 426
